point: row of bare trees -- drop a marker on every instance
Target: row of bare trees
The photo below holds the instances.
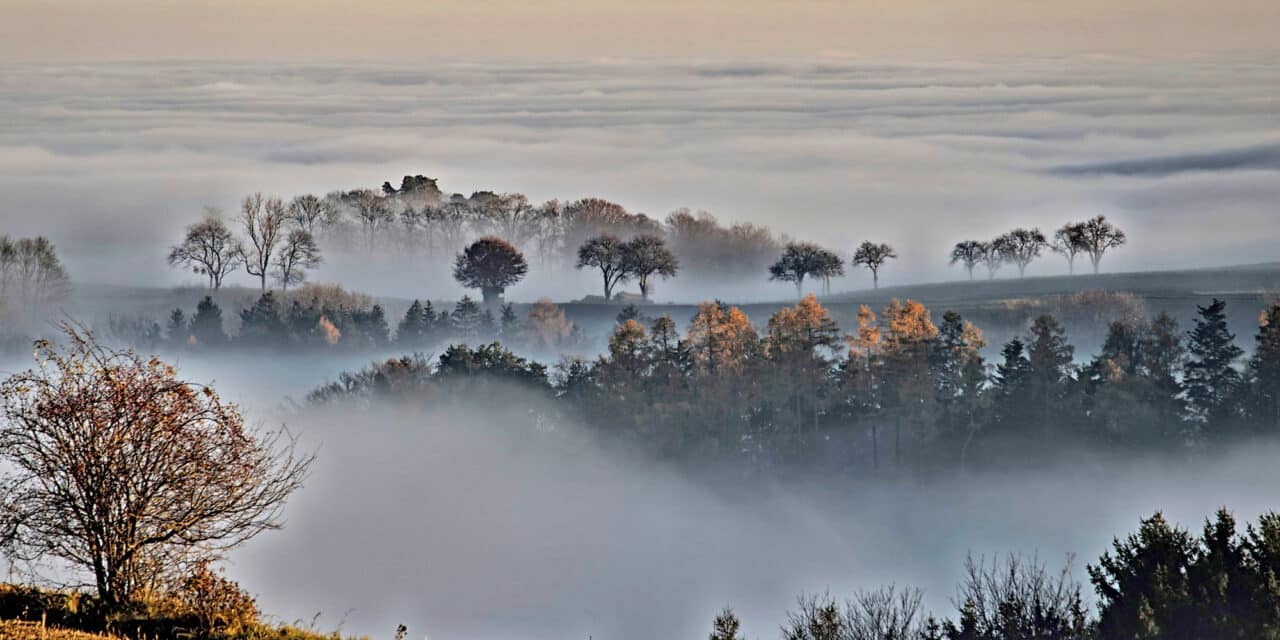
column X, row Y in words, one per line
column 801, row 260
column 277, row 242
column 1020, row 247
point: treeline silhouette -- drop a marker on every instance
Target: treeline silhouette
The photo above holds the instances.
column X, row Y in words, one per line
column 897, row 392
column 1159, row 583
column 281, row 240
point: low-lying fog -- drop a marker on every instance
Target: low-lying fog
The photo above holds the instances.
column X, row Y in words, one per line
column 462, row 524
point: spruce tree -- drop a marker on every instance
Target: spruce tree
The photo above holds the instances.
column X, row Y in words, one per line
column 467, row 319
column 1264, row 372
column 177, row 327
column 1211, row 380
column 261, row 323
column 413, row 327
column 510, row 326
column 206, row 324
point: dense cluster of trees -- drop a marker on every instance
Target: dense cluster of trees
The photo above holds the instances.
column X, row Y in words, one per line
column 1160, row 583
column 327, row 317
column 902, row 392
column 1020, row 247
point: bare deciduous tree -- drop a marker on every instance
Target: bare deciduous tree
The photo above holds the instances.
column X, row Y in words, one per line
column 311, row 213
column 608, row 254
column 298, row 254
column 647, row 255
column 120, row 469
column 1098, row 236
column 263, row 222
column 1021, row 247
column 992, row 259
column 31, row 274
column 208, row 248
column 801, row 260
column 873, row 256
column 1068, row 241
column 969, row 253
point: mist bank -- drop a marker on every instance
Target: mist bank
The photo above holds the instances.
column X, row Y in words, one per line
column 460, row 525
column 112, row 160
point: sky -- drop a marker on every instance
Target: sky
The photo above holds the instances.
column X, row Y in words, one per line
column 918, row 124
column 409, row 29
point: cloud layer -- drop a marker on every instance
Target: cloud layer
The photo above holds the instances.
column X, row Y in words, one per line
column 112, row 160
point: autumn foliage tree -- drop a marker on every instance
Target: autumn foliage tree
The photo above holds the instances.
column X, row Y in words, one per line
column 118, row 468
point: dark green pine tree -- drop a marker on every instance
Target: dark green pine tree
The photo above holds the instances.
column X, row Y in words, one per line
column 467, row 320
column 1212, row 381
column 372, row 326
column 303, row 322
column 1050, row 358
column 1264, row 373
column 1012, row 386
column 206, row 324
column 177, row 327
column 261, row 324
column 1142, row 584
column 1221, row 584
column 510, row 323
column 414, row 326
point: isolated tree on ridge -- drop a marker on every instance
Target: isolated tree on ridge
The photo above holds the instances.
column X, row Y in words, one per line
column 873, row 256
column 490, row 264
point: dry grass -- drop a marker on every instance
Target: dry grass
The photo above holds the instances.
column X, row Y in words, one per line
column 16, row 630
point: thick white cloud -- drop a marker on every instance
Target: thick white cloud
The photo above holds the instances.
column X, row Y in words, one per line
column 111, row 160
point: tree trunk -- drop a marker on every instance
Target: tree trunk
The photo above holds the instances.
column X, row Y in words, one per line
column 875, row 279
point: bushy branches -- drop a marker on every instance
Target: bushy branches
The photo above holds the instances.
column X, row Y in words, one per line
column 123, row 470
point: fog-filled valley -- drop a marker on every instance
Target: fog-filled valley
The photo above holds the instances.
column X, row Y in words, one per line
column 826, row 347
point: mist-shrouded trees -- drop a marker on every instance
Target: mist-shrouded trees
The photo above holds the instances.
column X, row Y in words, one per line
column 118, row 468
column 208, row 248
column 647, row 256
column 969, row 253
column 263, row 222
column 296, row 255
column 1021, row 247
column 32, row 276
column 1097, row 237
column 873, row 256
column 1068, row 241
column 991, row 258
column 311, row 213
column 609, row 254
column 802, row 260
column 490, row 264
